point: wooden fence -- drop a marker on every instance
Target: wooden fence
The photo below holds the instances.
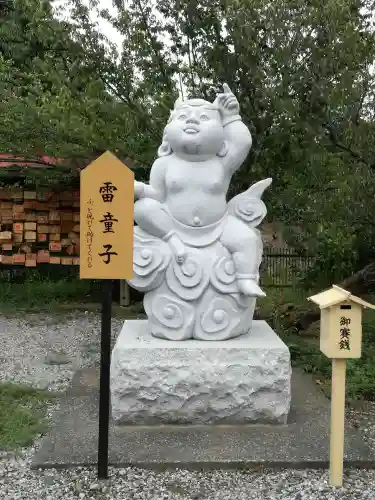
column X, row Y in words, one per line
column 283, row 267
column 280, row 268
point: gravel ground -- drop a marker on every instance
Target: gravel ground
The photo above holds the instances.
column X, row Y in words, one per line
column 50, row 349
column 45, row 351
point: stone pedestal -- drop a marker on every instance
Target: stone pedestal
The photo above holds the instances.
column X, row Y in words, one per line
column 241, row 380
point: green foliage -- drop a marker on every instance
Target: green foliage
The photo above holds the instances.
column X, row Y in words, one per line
column 21, row 415
column 55, row 101
column 42, row 292
column 302, row 72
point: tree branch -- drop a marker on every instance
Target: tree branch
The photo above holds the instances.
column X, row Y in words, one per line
column 354, row 154
column 157, row 54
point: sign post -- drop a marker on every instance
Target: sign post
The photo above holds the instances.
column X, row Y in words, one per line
column 340, row 339
column 106, row 253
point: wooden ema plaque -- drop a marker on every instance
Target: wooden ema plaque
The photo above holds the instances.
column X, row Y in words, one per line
column 106, row 219
column 34, row 222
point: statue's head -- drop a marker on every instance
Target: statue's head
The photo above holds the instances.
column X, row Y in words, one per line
column 194, row 129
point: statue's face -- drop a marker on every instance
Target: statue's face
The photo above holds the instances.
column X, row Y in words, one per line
column 195, row 129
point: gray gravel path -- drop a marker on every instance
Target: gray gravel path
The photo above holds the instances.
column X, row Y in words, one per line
column 45, row 351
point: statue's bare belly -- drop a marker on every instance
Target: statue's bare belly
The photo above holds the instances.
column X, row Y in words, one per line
column 196, row 193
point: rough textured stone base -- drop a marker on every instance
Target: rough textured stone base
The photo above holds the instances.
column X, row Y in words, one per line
column 242, row 380
column 72, row 440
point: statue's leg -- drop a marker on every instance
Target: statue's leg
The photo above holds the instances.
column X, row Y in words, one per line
column 150, row 216
column 245, row 245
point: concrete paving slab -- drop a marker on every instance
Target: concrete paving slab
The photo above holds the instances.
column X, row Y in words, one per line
column 302, row 443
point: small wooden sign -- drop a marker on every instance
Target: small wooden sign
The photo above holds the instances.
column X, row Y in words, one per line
column 30, row 217
column 54, row 216
column 43, row 256
column 18, row 227
column 16, row 216
column 18, row 238
column 54, row 237
column 29, row 195
column 17, row 194
column 340, row 339
column 19, row 258
column 66, row 261
column 42, row 237
column 17, row 208
column 42, row 218
column 5, row 235
column 30, row 226
column 7, row 214
column 31, row 260
column 106, row 215
column 30, row 235
column 55, row 246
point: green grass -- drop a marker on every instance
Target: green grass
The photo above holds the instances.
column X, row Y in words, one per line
column 38, row 292
column 279, row 309
column 22, row 415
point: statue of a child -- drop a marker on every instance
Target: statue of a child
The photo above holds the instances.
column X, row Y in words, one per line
column 203, row 145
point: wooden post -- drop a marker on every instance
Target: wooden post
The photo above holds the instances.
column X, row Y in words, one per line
column 124, row 293
column 337, row 421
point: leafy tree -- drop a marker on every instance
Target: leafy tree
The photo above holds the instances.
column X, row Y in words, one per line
column 302, row 72
column 54, row 101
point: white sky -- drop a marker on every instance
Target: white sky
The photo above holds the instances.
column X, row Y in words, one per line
column 105, row 27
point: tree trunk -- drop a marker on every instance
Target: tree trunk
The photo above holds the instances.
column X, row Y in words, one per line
column 360, row 283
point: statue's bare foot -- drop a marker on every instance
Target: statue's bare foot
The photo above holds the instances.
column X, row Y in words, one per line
column 250, row 287
column 178, row 249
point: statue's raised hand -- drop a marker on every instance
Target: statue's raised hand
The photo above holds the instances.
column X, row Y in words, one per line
column 227, row 102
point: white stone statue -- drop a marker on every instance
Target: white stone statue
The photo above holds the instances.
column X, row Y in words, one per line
column 196, row 256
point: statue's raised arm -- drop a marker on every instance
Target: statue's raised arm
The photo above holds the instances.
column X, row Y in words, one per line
column 237, row 136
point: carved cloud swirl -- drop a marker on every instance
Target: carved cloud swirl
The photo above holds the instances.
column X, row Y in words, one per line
column 189, row 280
column 169, row 317
column 219, row 321
column 150, row 259
column 250, row 210
column 223, row 276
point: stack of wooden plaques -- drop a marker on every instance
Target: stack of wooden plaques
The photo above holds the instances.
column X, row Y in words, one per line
column 39, row 227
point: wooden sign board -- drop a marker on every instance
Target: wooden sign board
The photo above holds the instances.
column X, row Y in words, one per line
column 106, row 219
